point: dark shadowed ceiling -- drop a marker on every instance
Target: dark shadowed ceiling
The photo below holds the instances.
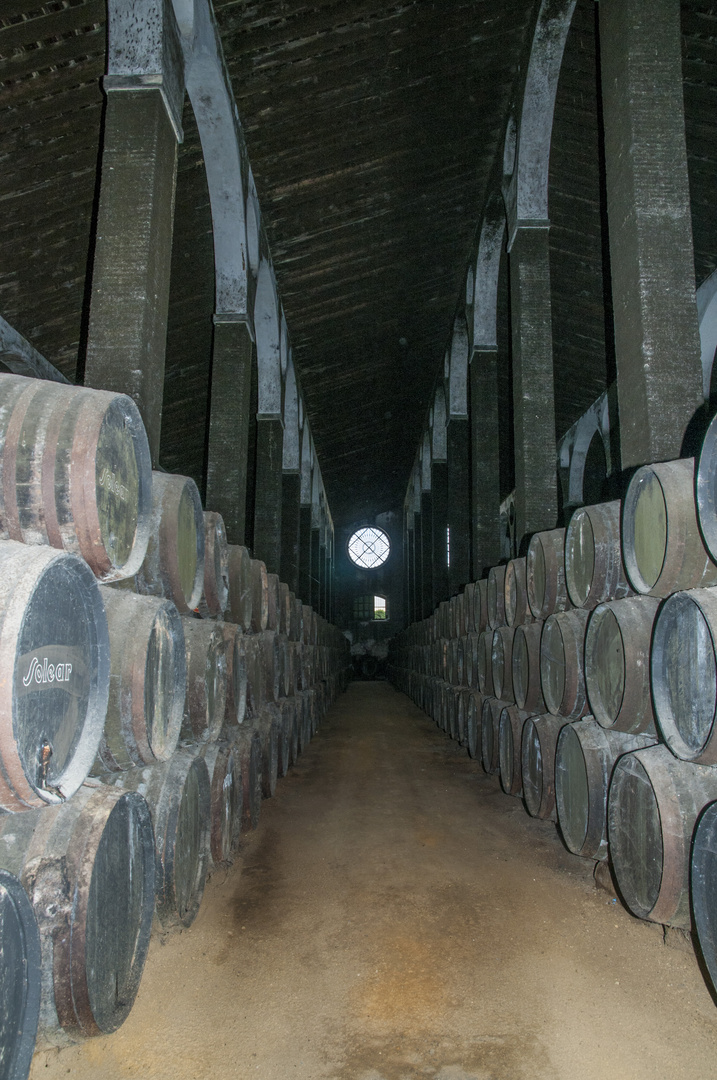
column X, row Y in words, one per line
column 371, row 128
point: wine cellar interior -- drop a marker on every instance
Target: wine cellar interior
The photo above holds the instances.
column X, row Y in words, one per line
column 358, row 539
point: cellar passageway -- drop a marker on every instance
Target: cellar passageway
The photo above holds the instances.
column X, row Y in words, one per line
column 394, row 916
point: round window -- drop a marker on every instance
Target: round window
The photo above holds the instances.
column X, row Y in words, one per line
column 369, row 548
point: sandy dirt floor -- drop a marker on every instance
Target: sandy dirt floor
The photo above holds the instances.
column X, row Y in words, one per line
column 396, row 915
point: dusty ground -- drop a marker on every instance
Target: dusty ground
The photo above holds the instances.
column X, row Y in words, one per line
column 397, row 916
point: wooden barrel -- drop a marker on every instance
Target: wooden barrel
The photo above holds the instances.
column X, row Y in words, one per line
column 545, row 573
column 480, row 605
column 617, row 663
column 272, row 602
column 653, row 805
column 285, row 608
column 469, row 607
column 148, row 681
column 88, row 867
column 76, row 473
column 485, row 663
column 684, row 674
column 259, row 596
column 289, row 738
column 237, row 672
column 496, row 597
column 54, row 674
column 490, row 733
column 510, row 742
column 561, row 663
column 269, row 727
column 584, row 761
column 174, row 564
column 226, row 798
column 20, row 976
column 537, row 761
column 661, row 542
column 240, row 593
column 250, row 749
column 594, row 570
column 501, row 663
column 297, row 619
column 269, row 666
column 470, row 659
column 463, row 696
column 517, row 608
column 525, row 662
column 215, row 594
column 179, row 796
column 706, row 489
column 704, row 887
column 474, row 714
column 205, row 701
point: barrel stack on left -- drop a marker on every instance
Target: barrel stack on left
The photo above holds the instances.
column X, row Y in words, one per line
column 591, row 686
column 139, row 730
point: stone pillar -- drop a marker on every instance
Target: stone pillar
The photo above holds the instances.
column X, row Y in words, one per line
column 659, row 376
column 536, row 490
column 459, row 488
column 127, row 328
column 230, row 410
column 290, row 507
column 485, row 459
column 267, row 491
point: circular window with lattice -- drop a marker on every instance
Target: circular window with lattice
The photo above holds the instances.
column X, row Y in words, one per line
column 369, row 548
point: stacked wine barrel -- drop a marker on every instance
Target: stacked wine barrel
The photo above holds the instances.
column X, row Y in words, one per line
column 589, row 686
column 149, row 669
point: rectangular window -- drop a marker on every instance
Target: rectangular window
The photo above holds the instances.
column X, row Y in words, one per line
column 448, row 546
column 379, row 607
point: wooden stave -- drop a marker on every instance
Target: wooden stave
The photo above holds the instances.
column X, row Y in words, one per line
column 215, row 593
column 517, row 608
column 702, row 887
column 24, row 571
column 542, row 731
column 127, row 740
column 510, row 742
column 473, row 724
column 681, row 790
column 269, row 652
column 61, row 427
column 528, row 692
column 285, row 606
column 686, row 563
column 573, row 701
column 239, row 602
column 20, row 978
column 167, row 787
column 236, row 680
column 705, row 479
column 272, row 602
column 226, row 798
column 54, row 852
column 601, row 749
column 161, row 573
column 546, row 550
column 269, row 727
column 249, row 744
column 485, row 663
column 703, row 601
column 608, row 580
column 501, row 663
column 496, row 597
column 490, row 733
column 635, row 617
column 205, row 701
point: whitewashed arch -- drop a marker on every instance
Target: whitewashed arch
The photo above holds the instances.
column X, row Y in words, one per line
column 217, row 117
column 525, row 187
column 253, row 226
column 439, row 442
column 458, row 370
column 575, row 444
column 268, row 342
column 291, row 446
column 485, row 303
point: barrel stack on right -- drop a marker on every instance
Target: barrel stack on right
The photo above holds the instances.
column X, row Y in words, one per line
column 584, row 676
